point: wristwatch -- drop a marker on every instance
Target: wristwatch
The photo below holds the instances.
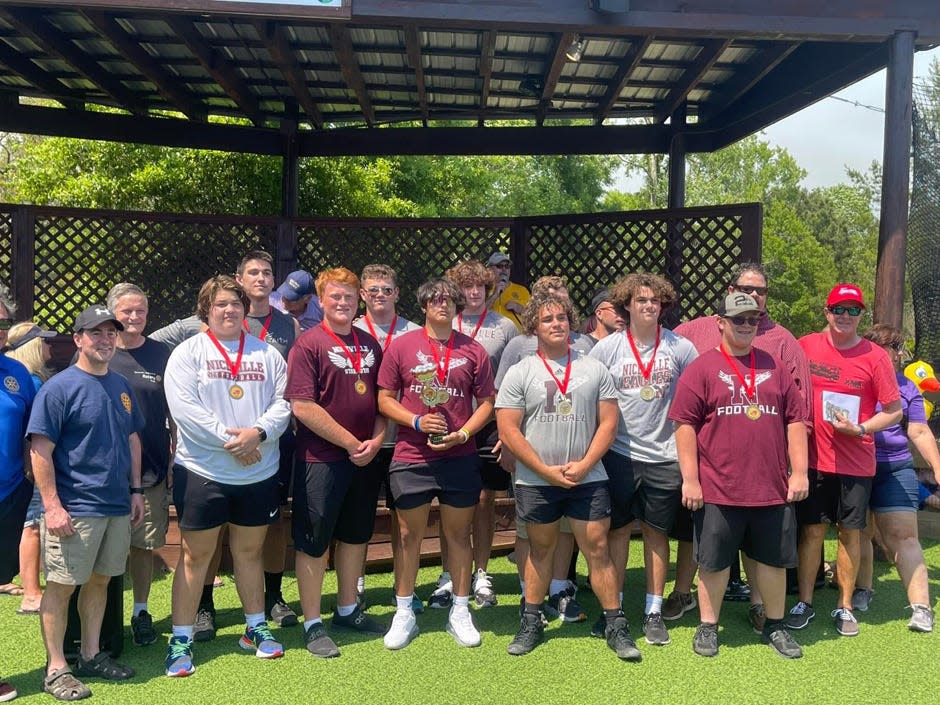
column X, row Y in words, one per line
column 262, row 434
column 137, row 490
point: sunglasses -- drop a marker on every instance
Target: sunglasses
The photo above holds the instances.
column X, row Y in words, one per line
column 851, row 310
column 440, row 300
column 747, row 289
column 744, row 320
column 374, row 290
column 6, row 324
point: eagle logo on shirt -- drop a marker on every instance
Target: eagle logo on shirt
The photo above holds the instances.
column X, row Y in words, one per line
column 11, row 383
column 742, row 395
column 126, row 401
column 342, row 361
column 455, row 362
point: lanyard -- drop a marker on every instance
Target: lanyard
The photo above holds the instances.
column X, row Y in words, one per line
column 562, row 386
column 441, row 371
column 477, row 328
column 264, row 328
column 238, row 360
column 748, row 390
column 648, row 369
column 356, row 361
column 391, row 331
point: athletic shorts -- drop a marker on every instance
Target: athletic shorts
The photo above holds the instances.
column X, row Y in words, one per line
column 766, row 534
column 835, row 499
column 334, row 500
column 650, row 492
column 202, row 503
column 682, row 528
column 546, row 504
column 383, row 459
column 151, row 532
column 454, row 481
column 98, row 545
column 494, row 477
column 564, row 527
column 895, row 487
column 12, row 516
column 287, row 444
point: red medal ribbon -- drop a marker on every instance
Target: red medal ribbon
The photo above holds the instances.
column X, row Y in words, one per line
column 441, row 371
column 562, row 386
column 648, row 369
column 479, row 323
column 264, row 328
column 749, row 391
column 234, row 368
column 391, row 330
column 356, row 361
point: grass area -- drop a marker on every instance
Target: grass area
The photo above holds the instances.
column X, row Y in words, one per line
column 886, row 663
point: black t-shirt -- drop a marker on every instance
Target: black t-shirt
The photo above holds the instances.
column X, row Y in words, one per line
column 144, row 368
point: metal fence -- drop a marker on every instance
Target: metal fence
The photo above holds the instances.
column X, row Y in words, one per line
column 59, row 260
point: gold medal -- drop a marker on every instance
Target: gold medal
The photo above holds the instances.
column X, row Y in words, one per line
column 236, row 392
column 753, row 412
column 647, row 393
column 442, row 396
column 565, row 407
column 429, row 395
column 360, row 386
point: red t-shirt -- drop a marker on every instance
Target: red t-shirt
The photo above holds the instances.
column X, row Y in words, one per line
column 319, row 370
column 742, row 462
column 852, row 381
column 409, row 366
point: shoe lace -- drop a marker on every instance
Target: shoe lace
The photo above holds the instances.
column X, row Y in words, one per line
column 843, row 613
column 799, row 608
column 262, row 632
column 483, row 582
column 461, row 619
column 179, row 648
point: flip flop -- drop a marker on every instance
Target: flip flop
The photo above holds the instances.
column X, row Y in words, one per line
column 11, row 589
column 27, row 611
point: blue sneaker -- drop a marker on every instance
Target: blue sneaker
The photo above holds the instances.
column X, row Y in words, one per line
column 260, row 640
column 179, row 657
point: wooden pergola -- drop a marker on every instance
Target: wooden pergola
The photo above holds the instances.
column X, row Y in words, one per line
column 395, row 77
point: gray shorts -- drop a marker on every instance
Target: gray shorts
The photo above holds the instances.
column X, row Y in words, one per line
column 151, row 532
column 99, row 545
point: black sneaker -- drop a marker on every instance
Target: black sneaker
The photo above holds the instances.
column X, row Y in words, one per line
column 655, row 629
column 565, row 606
column 619, row 640
column 319, row 643
column 204, row 628
column 279, row 613
column 599, row 628
column 845, row 621
column 530, row 634
column 705, row 641
column 142, row 628
column 800, row 616
column 359, row 621
column 737, row 591
column 782, row 643
column 542, row 616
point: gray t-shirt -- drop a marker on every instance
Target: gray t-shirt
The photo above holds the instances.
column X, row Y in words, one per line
column 524, row 345
column 179, row 330
column 644, row 432
column 556, row 438
column 494, row 333
column 280, row 334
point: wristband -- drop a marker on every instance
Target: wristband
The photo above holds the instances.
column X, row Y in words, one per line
column 416, row 422
column 137, row 490
column 466, row 435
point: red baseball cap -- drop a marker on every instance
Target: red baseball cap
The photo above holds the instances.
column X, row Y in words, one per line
column 843, row 293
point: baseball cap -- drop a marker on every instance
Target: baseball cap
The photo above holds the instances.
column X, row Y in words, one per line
column 31, row 334
column 497, row 258
column 843, row 293
column 600, row 296
column 297, row 285
column 736, row 303
column 94, row 316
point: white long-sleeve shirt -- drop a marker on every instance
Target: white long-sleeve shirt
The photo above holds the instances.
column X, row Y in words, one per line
column 198, row 388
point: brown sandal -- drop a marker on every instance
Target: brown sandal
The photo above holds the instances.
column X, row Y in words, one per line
column 103, row 666
column 62, row 685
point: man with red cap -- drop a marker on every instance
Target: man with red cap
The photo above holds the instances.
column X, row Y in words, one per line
column 849, row 376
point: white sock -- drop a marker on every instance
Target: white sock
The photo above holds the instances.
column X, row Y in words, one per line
column 253, row 620
column 345, row 610
column 404, row 603
column 620, row 599
column 461, row 602
column 557, row 586
column 361, row 584
column 185, row 630
column 522, row 586
column 139, row 607
column 654, row 604
column 310, row 622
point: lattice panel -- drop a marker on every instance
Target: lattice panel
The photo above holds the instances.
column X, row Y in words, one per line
column 415, row 250
column 711, row 248
column 6, row 248
column 79, row 258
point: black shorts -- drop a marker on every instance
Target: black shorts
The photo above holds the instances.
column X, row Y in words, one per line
column 650, row 492
column 12, row 516
column 766, row 534
column 383, row 459
column 202, row 503
column 287, row 444
column 334, row 500
column 454, row 481
column 494, row 477
column 682, row 529
column 835, row 499
column 546, row 504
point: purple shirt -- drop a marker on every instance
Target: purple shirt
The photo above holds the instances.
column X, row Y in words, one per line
column 891, row 444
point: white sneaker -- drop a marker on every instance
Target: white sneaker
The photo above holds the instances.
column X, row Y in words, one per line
column 404, row 628
column 483, row 595
column 460, row 626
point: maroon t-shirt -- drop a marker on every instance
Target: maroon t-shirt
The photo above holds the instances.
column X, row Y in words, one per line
column 742, row 462
column 319, row 370
column 409, row 367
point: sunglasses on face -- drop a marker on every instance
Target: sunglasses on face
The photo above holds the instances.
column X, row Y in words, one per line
column 374, row 290
column 851, row 310
column 443, row 300
column 6, row 324
column 747, row 289
column 744, row 320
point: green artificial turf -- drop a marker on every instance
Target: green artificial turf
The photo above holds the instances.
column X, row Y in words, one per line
column 885, row 664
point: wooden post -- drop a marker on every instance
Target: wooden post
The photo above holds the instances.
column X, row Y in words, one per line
column 286, row 256
column 676, row 199
column 24, row 254
column 895, row 181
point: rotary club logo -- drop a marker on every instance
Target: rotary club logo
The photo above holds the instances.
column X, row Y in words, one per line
column 11, row 384
column 126, row 401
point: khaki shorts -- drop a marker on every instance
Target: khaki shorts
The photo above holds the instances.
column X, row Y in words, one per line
column 563, row 525
column 99, row 545
column 151, row 532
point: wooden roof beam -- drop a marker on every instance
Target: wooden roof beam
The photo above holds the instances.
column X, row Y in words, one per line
column 213, row 62
column 413, row 48
column 170, row 87
column 711, row 51
column 28, row 71
column 631, row 60
column 33, row 25
column 487, row 53
column 275, row 41
column 559, row 59
column 349, row 65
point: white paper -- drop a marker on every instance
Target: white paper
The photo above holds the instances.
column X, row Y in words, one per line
column 846, row 404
